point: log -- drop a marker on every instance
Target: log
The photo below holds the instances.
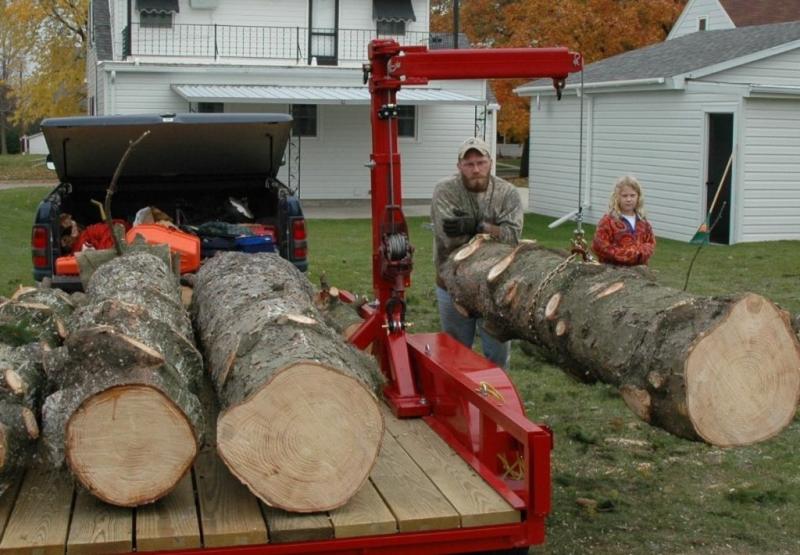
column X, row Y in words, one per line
column 30, row 322
column 724, row 370
column 299, row 421
column 21, row 383
column 34, row 315
column 125, row 416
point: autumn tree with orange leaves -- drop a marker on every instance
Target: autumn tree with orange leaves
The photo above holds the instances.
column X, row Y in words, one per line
column 596, row 28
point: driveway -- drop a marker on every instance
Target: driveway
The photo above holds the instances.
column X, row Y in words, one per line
column 314, row 209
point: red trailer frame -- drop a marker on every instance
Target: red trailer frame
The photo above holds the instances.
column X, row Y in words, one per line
column 467, row 400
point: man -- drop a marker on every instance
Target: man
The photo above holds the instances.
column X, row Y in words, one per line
column 469, row 202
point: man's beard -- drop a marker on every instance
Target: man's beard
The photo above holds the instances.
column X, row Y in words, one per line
column 476, row 184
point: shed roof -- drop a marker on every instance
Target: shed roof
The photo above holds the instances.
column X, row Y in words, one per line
column 761, row 12
column 685, row 54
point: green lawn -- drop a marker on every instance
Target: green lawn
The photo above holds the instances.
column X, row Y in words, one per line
column 18, row 167
column 655, row 493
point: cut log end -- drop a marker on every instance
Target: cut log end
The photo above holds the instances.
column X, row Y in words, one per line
column 611, row 289
column 31, row 426
column 14, row 382
column 638, row 400
column 470, row 248
column 498, row 269
column 743, row 377
column 551, row 310
column 305, row 441
column 129, row 445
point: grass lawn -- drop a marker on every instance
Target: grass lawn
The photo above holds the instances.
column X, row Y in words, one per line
column 18, row 167
column 655, row 493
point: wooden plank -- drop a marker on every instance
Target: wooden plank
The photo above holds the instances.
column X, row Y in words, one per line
column 40, row 519
column 169, row 523
column 7, row 500
column 409, row 493
column 475, row 500
column 98, row 527
column 366, row 514
column 290, row 527
column 229, row 513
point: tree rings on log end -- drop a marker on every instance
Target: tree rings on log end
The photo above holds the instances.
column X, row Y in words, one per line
column 743, row 377
column 305, row 441
column 129, row 445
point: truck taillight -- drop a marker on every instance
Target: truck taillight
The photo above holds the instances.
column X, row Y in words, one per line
column 39, row 243
column 299, row 247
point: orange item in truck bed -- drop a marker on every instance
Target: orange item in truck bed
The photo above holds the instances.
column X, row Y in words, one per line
column 186, row 244
column 67, row 266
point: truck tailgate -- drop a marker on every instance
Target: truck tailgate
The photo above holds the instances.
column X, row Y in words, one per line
column 418, row 486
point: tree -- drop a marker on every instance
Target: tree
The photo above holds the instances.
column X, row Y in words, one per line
column 10, row 66
column 51, row 35
column 596, row 28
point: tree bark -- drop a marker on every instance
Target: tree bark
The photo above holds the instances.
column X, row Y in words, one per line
column 724, row 370
column 21, row 381
column 34, row 315
column 299, row 422
column 125, row 416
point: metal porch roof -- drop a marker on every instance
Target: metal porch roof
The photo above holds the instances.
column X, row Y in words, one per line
column 275, row 94
column 393, row 10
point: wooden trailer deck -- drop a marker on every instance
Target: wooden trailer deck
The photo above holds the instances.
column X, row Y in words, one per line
column 418, row 483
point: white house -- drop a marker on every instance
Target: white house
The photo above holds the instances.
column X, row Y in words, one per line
column 672, row 114
column 34, row 144
column 302, row 57
column 708, row 15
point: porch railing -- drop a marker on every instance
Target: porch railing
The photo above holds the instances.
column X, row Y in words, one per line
column 242, row 41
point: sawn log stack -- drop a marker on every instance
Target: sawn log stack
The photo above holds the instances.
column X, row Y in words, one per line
column 725, row 370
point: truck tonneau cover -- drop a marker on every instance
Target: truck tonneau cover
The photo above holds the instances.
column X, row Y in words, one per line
column 228, row 146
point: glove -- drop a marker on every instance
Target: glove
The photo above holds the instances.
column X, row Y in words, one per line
column 462, row 225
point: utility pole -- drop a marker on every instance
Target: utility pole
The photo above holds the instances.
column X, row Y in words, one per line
column 455, row 24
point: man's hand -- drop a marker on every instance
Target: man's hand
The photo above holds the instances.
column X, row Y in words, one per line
column 460, row 225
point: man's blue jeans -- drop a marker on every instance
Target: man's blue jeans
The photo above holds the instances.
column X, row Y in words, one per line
column 463, row 329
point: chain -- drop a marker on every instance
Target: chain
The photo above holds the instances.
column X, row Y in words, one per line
column 545, row 282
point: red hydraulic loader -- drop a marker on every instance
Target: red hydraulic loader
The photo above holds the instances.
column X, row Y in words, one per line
column 462, row 396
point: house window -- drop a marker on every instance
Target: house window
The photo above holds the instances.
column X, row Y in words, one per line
column 323, row 36
column 152, row 20
column 702, row 23
column 391, row 27
column 407, row 121
column 210, row 107
column 305, row 120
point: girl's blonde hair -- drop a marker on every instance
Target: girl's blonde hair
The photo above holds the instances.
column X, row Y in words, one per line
column 613, row 203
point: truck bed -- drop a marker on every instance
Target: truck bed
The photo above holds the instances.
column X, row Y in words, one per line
column 418, row 484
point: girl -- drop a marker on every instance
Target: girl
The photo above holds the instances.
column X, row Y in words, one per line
column 623, row 236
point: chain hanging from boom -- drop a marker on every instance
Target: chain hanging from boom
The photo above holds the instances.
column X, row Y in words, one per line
column 578, row 244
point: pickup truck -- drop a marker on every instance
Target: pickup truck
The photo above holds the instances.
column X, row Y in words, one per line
column 206, row 173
